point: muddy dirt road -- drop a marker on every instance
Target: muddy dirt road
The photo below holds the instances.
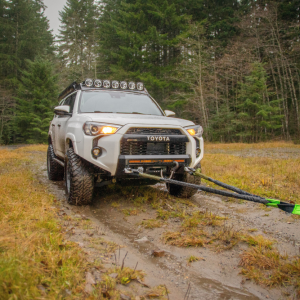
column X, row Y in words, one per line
column 121, row 219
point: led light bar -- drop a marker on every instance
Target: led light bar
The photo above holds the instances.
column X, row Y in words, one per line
column 124, row 85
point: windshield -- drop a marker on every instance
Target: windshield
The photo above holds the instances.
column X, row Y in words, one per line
column 117, row 102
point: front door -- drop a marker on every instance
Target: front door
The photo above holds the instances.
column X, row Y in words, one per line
column 62, row 126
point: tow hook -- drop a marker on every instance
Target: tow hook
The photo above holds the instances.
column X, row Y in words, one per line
column 173, row 170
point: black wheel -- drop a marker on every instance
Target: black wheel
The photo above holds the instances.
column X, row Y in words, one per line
column 79, row 180
column 182, row 191
column 54, row 169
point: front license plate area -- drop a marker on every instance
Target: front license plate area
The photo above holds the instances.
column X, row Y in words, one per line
column 155, row 148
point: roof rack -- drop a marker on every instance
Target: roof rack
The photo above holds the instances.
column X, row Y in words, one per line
column 70, row 89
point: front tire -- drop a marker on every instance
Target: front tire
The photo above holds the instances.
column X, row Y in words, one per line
column 79, row 180
column 182, row 191
column 54, row 169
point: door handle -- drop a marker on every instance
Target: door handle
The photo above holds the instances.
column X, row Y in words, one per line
column 53, row 125
column 59, row 125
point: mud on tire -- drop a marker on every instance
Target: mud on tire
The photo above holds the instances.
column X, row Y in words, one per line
column 79, row 180
column 182, row 191
column 54, row 169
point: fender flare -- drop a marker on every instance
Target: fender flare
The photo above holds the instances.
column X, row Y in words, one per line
column 71, row 137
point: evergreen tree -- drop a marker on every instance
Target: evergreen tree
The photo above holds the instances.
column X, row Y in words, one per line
column 77, row 39
column 24, row 34
column 257, row 116
column 138, row 40
column 37, row 96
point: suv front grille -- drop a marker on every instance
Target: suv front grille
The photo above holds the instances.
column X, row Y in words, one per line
column 156, row 131
column 145, row 148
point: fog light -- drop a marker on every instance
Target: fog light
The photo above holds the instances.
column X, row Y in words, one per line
column 198, row 152
column 96, row 152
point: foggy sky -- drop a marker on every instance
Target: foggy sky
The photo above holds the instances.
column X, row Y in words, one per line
column 53, row 8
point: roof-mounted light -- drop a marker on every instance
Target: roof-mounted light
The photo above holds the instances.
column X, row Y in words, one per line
column 140, row 86
column 106, row 84
column 115, row 84
column 123, row 85
column 131, row 85
column 89, row 82
column 97, row 83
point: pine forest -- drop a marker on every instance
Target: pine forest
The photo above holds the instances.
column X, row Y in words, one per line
column 231, row 66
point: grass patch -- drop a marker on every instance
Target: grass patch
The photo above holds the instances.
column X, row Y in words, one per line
column 152, row 223
column 268, row 267
column 33, row 251
column 193, row 258
column 245, row 146
column 266, row 177
column 190, row 238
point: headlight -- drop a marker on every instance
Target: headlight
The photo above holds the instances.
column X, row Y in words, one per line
column 93, row 129
column 195, row 130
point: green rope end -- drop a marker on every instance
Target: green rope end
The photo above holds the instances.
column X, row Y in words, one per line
column 198, row 173
column 296, row 210
column 273, row 202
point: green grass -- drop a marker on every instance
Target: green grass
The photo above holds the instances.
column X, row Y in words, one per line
column 263, row 176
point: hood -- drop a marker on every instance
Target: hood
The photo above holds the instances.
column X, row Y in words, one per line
column 124, row 119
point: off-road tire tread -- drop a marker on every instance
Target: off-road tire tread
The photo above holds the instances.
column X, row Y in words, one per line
column 56, row 172
column 182, row 191
column 81, row 180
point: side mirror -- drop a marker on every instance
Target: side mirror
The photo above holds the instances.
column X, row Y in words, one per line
column 169, row 113
column 62, row 110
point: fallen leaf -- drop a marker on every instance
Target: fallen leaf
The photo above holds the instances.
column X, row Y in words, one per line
column 159, row 253
column 152, row 295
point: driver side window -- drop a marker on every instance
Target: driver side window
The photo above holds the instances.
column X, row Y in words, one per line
column 70, row 101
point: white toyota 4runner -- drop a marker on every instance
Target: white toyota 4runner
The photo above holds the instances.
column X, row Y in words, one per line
column 102, row 127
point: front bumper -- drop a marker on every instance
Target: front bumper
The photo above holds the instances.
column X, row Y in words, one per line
column 113, row 162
